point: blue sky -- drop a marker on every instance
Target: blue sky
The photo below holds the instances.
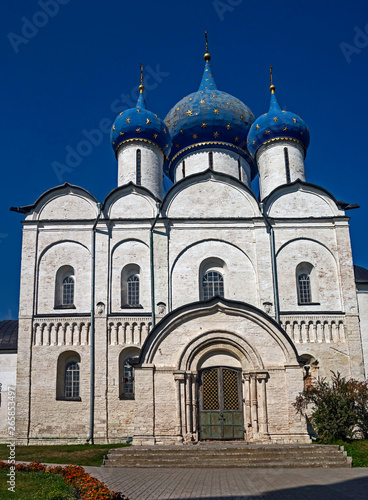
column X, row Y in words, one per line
column 70, row 64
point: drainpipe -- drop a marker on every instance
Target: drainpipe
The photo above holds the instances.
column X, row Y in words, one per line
column 273, row 264
column 92, row 336
column 152, row 268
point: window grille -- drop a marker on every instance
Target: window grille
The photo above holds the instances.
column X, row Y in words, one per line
column 128, row 380
column 72, row 380
column 133, row 290
column 287, row 167
column 138, row 167
column 212, row 284
column 68, row 290
column 305, row 296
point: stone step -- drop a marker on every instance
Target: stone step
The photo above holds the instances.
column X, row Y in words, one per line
column 212, row 456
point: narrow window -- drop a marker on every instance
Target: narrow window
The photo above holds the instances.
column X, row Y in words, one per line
column 212, row 285
column 128, row 381
column 68, row 291
column 287, row 168
column 183, row 168
column 239, row 170
column 305, row 296
column 71, row 380
column 138, row 167
column 210, row 160
column 133, row 290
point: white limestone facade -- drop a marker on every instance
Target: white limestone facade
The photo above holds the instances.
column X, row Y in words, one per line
column 200, row 314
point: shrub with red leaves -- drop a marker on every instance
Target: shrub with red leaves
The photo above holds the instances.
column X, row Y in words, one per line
column 87, row 487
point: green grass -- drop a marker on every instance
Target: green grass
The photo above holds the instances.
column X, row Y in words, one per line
column 79, row 454
column 356, row 448
column 35, row 485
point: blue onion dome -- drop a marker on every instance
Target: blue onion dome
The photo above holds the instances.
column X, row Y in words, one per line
column 140, row 124
column 208, row 118
column 277, row 125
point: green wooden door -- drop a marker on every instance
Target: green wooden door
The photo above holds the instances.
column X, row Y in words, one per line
column 220, row 404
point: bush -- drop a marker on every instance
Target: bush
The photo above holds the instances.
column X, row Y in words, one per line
column 339, row 408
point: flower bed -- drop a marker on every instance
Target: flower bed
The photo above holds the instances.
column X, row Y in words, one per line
column 86, row 486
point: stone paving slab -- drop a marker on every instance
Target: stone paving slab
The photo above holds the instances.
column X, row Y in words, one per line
column 235, row 484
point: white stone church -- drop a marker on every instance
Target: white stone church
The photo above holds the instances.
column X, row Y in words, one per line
column 196, row 315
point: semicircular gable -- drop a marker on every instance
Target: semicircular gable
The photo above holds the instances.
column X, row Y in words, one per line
column 210, row 196
column 68, row 206
column 301, row 200
column 131, row 205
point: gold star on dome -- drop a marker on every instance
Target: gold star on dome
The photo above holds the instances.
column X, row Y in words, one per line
column 204, row 125
column 242, row 117
column 191, row 99
column 176, row 145
column 113, row 127
column 210, row 74
column 138, row 110
column 120, row 113
column 275, row 119
column 164, row 130
column 216, row 111
column 166, row 145
column 215, row 134
column 265, row 114
column 137, row 129
column 113, row 143
column 294, row 120
column 238, row 102
column 285, row 129
column 201, row 101
column 155, row 136
column 181, row 132
column 268, row 132
column 195, row 136
column 206, row 69
column 257, row 126
column 121, row 133
column 201, row 91
column 189, row 112
column 247, row 141
column 206, row 80
column 214, row 95
column 228, row 103
column 168, row 125
column 254, row 143
column 210, row 84
column 283, row 111
column 236, row 139
column 148, row 121
column 177, row 109
column 156, row 116
column 228, row 126
column 127, row 120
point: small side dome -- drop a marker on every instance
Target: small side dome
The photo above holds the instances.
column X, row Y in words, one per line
column 140, row 124
column 276, row 125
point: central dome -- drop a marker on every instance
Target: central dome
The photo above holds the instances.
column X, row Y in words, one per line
column 208, row 118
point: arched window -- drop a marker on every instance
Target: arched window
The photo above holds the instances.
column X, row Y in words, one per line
column 130, row 286
column 212, row 284
column 65, row 288
column 68, row 290
column 133, row 290
column 71, row 385
column 68, row 376
column 126, row 373
column 138, row 167
column 287, row 166
column 304, row 275
column 305, row 296
column 210, row 160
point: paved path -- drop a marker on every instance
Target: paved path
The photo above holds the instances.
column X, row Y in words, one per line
column 235, row 484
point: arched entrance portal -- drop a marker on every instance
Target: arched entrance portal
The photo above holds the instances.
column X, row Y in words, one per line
column 220, row 404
